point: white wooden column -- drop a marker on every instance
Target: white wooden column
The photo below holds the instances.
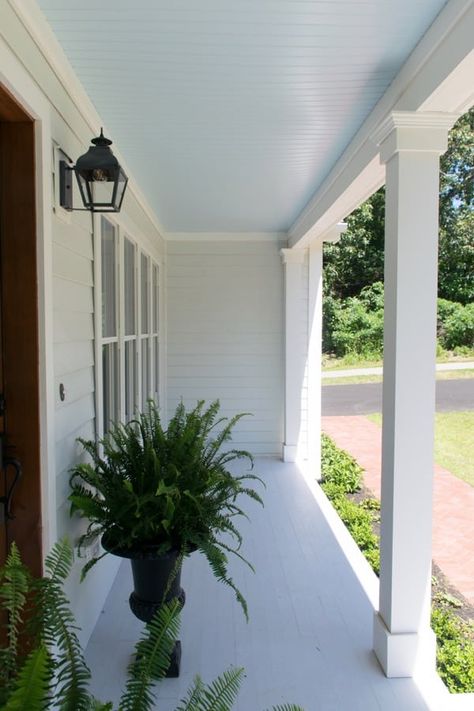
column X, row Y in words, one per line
column 411, row 144
column 295, row 350
column 315, row 340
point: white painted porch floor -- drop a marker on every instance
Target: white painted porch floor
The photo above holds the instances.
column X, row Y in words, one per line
column 308, row 640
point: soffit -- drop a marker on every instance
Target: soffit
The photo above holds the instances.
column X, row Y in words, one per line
column 230, row 113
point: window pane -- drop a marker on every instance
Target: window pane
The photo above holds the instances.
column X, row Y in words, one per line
column 144, row 293
column 129, row 278
column 145, row 371
column 156, row 299
column 130, row 379
column 110, row 384
column 109, row 319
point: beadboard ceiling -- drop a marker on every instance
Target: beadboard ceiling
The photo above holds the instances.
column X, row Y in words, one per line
column 230, row 113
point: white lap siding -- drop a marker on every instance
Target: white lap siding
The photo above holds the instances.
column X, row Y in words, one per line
column 225, row 334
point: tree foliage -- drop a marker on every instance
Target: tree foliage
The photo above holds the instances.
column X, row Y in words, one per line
column 357, row 260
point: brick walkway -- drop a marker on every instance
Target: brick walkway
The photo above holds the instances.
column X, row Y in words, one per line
column 453, row 502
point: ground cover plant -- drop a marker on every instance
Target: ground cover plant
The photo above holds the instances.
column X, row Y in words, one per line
column 452, row 619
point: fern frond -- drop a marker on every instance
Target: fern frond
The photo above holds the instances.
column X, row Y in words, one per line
column 58, row 562
column 218, row 562
column 59, row 631
column 194, row 696
column 13, row 593
column 31, row 688
column 153, row 653
column 287, row 707
column 222, row 693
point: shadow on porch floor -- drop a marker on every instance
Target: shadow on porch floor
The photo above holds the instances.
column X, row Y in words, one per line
column 309, row 636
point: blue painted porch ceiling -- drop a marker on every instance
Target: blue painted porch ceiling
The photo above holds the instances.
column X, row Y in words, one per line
column 230, row 113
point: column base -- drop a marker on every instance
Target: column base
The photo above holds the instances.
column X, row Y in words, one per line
column 289, row 452
column 403, row 655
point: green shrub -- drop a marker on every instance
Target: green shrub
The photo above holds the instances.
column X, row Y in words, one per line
column 338, row 467
column 455, row 650
column 341, row 475
column 355, row 325
column 458, row 328
column 331, row 316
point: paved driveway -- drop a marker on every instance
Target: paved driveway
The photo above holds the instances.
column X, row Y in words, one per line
column 367, row 397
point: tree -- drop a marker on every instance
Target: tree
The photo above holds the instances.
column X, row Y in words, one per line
column 357, row 260
column 456, row 215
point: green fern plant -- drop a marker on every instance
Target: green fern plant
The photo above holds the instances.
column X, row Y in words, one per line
column 54, row 674
column 151, row 489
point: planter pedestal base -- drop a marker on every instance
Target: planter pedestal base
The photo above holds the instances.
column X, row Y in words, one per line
column 145, row 610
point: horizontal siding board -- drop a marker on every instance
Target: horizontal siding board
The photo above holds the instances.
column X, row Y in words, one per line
column 77, row 385
column 225, row 335
column 74, row 415
column 77, row 328
column 72, row 296
column 71, row 357
column 73, row 237
column 69, row 451
column 72, row 266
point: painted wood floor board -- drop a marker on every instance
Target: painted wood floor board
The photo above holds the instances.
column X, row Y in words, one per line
column 308, row 640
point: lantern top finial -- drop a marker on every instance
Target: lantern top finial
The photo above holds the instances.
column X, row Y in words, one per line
column 101, row 140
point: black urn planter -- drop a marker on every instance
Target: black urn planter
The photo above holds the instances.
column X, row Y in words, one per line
column 156, row 580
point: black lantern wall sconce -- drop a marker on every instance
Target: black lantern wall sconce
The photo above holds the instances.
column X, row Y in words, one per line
column 101, row 179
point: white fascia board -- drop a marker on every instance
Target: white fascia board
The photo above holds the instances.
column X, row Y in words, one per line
column 436, row 77
column 227, row 237
column 35, row 23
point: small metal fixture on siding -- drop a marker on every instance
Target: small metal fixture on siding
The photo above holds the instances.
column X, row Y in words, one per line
column 101, row 179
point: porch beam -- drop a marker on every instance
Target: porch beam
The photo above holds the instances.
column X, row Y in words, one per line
column 295, row 350
column 410, row 146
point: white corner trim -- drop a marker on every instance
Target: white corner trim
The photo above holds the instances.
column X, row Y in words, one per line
column 293, row 256
column 227, row 237
column 35, row 23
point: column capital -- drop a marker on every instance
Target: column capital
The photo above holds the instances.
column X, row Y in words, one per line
column 418, row 132
column 292, row 256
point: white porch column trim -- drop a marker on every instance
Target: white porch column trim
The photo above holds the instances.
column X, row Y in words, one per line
column 295, row 350
column 410, row 146
column 315, row 328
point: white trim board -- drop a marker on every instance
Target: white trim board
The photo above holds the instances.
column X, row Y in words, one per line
column 227, row 237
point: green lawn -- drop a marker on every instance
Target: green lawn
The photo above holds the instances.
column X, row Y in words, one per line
column 353, row 360
column 454, row 442
column 360, row 379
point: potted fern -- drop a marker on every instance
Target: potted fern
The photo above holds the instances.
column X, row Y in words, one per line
column 154, row 495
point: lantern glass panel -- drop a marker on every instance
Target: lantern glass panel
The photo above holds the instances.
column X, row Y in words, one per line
column 86, row 194
column 103, row 193
column 122, row 181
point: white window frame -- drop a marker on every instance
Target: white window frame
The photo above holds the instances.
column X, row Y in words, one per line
column 146, row 340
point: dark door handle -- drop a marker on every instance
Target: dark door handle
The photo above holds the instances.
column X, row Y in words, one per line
column 9, row 465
